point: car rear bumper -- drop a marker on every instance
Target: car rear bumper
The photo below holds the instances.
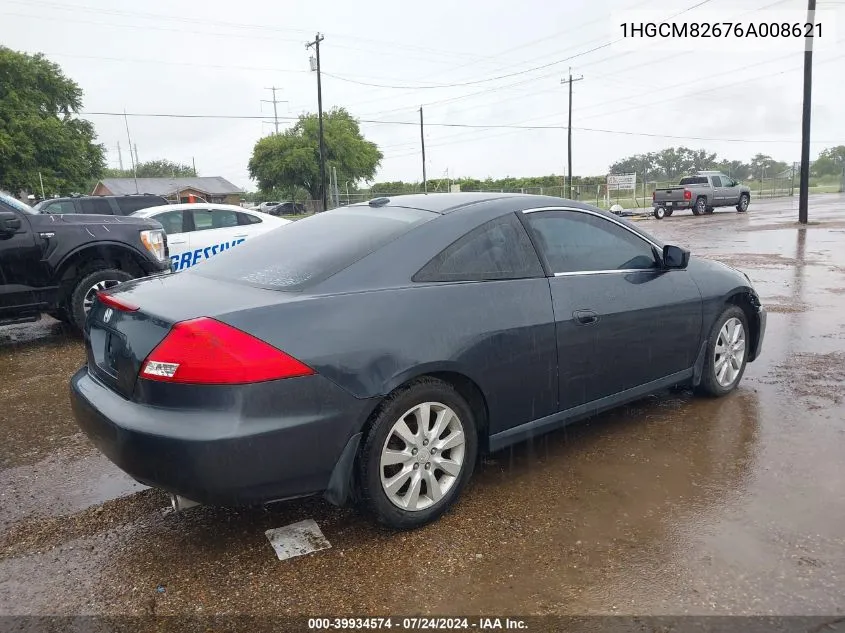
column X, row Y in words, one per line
column 239, row 455
column 686, row 204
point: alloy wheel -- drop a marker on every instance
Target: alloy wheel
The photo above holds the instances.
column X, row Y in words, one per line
column 423, row 456
column 88, row 301
column 730, row 352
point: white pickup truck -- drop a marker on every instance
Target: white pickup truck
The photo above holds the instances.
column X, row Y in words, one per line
column 702, row 193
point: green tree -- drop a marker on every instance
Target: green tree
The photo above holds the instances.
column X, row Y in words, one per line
column 831, row 162
column 639, row 164
column 292, row 159
column 40, row 131
column 734, row 168
column 763, row 166
column 161, row 168
column 672, row 163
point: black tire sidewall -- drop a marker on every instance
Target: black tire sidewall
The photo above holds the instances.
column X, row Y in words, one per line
column 739, row 206
column 698, row 211
column 373, row 496
column 669, row 212
column 77, row 296
column 709, row 385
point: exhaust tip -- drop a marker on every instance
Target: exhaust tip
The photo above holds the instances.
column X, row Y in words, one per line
column 179, row 503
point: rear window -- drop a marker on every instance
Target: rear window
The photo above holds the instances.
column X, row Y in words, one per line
column 309, row 251
column 131, row 205
column 694, row 180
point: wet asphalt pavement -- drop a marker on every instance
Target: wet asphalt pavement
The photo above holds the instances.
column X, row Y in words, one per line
column 672, row 505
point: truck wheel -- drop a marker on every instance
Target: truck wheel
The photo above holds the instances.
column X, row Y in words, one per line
column 700, row 207
column 659, row 212
column 86, row 289
column 669, row 213
column 742, row 207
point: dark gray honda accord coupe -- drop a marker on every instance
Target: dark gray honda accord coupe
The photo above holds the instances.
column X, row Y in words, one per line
column 370, row 353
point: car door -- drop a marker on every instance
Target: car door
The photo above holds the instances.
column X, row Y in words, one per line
column 730, row 191
column 96, row 206
column 622, row 321
column 23, row 273
column 718, row 199
column 214, row 230
column 178, row 236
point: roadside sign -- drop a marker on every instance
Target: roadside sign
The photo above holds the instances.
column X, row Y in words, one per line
column 616, row 182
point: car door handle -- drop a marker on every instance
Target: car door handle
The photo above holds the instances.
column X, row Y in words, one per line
column 585, row 317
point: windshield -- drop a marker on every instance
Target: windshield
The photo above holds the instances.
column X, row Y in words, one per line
column 16, row 204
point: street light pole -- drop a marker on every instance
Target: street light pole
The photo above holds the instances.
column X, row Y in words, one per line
column 804, row 183
column 316, row 44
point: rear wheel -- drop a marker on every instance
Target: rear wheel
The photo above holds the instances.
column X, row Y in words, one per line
column 669, row 213
column 709, row 210
column 418, row 455
column 742, row 207
column 86, row 289
column 700, row 207
column 727, row 353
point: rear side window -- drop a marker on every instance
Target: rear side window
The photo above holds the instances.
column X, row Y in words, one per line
column 499, row 249
column 309, row 251
column 205, row 219
column 694, row 180
column 60, row 206
column 246, row 218
column 99, row 206
column 171, row 221
column 132, row 204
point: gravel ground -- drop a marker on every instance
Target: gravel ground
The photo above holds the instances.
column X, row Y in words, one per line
column 672, row 505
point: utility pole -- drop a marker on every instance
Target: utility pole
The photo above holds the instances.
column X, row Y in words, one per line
column 804, row 184
column 316, row 44
column 119, row 156
column 274, row 101
column 135, row 160
column 569, row 81
column 194, row 163
column 422, row 142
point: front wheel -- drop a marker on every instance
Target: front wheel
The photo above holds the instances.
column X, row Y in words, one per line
column 418, row 455
column 86, row 289
column 742, row 207
column 727, row 353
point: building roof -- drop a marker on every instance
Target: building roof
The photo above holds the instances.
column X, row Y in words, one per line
column 211, row 185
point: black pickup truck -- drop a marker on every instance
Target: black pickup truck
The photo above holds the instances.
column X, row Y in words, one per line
column 57, row 263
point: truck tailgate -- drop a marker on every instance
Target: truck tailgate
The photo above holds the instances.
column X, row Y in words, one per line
column 672, row 193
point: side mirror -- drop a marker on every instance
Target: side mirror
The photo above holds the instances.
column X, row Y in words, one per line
column 675, row 257
column 9, row 222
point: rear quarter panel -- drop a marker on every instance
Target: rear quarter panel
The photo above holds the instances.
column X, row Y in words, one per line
column 499, row 334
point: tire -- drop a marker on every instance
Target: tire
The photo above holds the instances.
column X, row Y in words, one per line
column 700, row 207
column 97, row 280
column 659, row 212
column 711, row 384
column 60, row 314
column 412, row 461
column 669, row 213
column 709, row 210
column 744, row 200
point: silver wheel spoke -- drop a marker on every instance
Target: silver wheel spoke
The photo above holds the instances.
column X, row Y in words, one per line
column 412, row 497
column 729, row 352
column 390, row 457
column 423, row 416
column 440, row 424
column 433, row 486
column 392, row 486
column 455, row 438
column 448, row 466
column 401, row 429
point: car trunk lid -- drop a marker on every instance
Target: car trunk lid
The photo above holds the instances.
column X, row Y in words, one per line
column 118, row 339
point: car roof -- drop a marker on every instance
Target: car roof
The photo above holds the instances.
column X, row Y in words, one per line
column 193, row 205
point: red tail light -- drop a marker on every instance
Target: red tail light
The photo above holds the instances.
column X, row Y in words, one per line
column 206, row 351
column 117, row 304
column 687, row 194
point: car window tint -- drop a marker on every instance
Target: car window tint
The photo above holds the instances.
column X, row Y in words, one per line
column 171, row 221
column 499, row 249
column 582, row 242
column 717, row 182
column 131, row 204
column 100, row 206
column 248, row 218
column 694, row 180
column 61, row 206
column 313, row 249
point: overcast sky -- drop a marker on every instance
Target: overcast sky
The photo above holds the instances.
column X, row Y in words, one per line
column 211, row 57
